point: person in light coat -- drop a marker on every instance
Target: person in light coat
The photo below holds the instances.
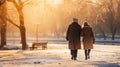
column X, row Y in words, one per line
column 88, row 39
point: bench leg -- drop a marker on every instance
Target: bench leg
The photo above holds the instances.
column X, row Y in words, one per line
column 43, row 47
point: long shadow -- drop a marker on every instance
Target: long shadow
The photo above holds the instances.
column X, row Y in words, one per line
column 105, row 64
column 104, row 51
column 33, row 58
column 109, row 65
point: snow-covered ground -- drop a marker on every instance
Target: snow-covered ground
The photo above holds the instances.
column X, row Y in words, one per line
column 58, row 55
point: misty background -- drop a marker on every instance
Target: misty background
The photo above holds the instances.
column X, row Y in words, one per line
column 50, row 18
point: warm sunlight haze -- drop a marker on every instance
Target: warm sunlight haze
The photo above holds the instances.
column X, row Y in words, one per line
column 54, row 2
column 94, row 1
column 59, row 33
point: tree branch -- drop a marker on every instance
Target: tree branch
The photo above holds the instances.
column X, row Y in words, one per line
column 12, row 22
column 26, row 2
column 15, row 3
column 18, row 6
column 2, row 1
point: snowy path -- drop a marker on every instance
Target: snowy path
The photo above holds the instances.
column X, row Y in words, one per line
column 57, row 55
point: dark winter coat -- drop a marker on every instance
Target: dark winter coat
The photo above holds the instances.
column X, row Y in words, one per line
column 88, row 37
column 73, row 36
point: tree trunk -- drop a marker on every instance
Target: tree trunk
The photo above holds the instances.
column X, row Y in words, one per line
column 113, row 36
column 103, row 33
column 3, row 25
column 104, row 37
column 114, row 33
column 3, row 35
column 23, row 37
column 22, row 30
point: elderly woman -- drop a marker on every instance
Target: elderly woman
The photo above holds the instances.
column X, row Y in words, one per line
column 88, row 40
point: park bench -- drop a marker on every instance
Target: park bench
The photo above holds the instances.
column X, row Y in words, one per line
column 36, row 45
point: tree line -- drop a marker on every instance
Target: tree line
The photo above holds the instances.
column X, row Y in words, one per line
column 103, row 16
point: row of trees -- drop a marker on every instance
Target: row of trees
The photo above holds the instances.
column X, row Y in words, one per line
column 103, row 16
column 19, row 6
column 108, row 21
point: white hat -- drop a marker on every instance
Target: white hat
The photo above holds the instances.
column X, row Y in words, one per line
column 75, row 20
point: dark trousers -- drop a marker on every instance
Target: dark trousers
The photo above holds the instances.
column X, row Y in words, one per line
column 74, row 53
column 87, row 52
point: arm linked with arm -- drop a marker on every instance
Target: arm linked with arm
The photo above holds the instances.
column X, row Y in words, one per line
column 67, row 34
column 93, row 36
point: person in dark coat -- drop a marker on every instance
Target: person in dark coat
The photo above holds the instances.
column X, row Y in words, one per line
column 73, row 36
column 88, row 40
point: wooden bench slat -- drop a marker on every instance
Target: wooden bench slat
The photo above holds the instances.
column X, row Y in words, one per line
column 36, row 45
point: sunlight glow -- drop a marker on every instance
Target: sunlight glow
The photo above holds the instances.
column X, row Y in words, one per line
column 94, row 1
column 54, row 2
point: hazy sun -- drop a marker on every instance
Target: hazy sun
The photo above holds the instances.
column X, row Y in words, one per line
column 94, row 1
column 54, row 2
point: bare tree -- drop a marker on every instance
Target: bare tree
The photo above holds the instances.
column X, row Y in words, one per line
column 101, row 25
column 3, row 22
column 19, row 6
column 118, row 16
column 110, row 18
